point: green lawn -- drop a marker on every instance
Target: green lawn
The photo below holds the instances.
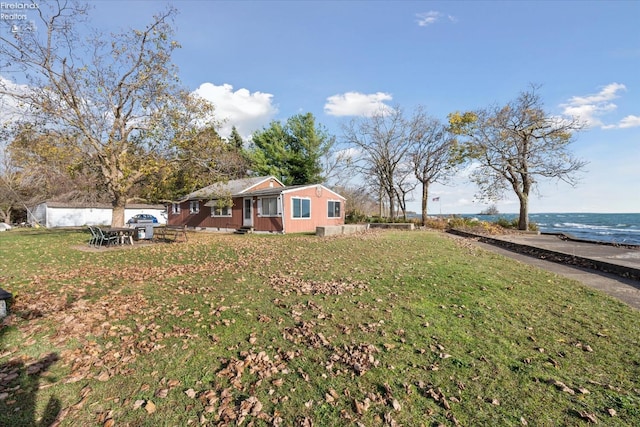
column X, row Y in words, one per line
column 387, row 328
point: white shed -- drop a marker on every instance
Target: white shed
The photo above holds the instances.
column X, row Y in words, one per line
column 69, row 214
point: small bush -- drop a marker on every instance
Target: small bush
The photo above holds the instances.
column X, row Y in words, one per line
column 400, row 220
column 513, row 224
column 505, row 223
column 437, row 223
column 462, row 222
column 355, row 217
column 483, row 227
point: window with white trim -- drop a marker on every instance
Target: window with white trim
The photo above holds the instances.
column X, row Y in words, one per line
column 175, row 208
column 333, row 209
column 220, row 210
column 194, row 206
column 268, row 206
column 301, row 208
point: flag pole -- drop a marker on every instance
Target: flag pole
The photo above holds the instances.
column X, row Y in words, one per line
column 437, row 199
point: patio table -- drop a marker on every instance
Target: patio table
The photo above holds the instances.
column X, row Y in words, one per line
column 124, row 234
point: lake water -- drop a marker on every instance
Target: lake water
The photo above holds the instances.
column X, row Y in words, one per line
column 615, row 227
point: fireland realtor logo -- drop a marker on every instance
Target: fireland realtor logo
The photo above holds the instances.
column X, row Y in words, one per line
column 16, row 14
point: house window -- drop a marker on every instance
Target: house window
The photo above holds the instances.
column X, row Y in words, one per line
column 220, row 210
column 269, row 206
column 194, row 206
column 333, row 209
column 301, row 208
column 175, row 208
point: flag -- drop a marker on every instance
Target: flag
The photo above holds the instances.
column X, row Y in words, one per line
column 436, row 199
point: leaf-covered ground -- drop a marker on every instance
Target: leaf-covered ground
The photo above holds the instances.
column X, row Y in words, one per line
column 386, row 328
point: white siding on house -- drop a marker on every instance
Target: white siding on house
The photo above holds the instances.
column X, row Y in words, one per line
column 49, row 217
column 75, row 217
column 38, row 214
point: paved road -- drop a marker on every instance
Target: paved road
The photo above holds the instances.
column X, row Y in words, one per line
column 627, row 290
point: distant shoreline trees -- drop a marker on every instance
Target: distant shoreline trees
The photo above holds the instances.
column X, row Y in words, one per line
column 491, row 210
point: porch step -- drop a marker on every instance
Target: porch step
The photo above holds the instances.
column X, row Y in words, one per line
column 244, row 230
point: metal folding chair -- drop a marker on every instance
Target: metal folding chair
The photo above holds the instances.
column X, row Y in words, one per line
column 95, row 238
column 105, row 238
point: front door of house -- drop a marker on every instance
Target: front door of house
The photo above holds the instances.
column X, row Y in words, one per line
column 247, row 212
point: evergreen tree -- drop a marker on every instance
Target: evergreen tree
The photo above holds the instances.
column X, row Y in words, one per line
column 269, row 153
column 291, row 152
column 236, row 140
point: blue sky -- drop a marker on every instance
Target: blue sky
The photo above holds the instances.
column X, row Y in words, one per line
column 266, row 60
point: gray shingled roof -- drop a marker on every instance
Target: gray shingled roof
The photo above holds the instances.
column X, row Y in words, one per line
column 233, row 187
column 288, row 189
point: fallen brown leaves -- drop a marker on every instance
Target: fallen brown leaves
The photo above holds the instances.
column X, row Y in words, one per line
column 110, row 333
column 562, row 386
column 78, row 320
column 259, row 364
column 303, row 333
column 587, row 416
column 566, row 389
column 358, row 358
column 297, row 285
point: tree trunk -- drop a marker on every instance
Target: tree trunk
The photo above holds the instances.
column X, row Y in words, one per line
column 392, row 211
column 402, row 205
column 523, row 220
column 6, row 215
column 117, row 218
column 425, row 198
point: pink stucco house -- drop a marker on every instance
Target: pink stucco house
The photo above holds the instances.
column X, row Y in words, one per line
column 260, row 204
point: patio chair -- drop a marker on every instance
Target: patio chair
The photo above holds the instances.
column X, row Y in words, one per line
column 95, row 238
column 105, row 238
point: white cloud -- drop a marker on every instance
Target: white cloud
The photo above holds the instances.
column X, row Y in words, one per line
column 357, row 104
column 246, row 111
column 607, row 93
column 427, row 18
column 12, row 109
column 348, row 153
column 590, row 108
column 243, row 109
column 629, row 122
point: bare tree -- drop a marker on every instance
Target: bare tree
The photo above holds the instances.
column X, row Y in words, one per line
column 336, row 165
column 382, row 142
column 432, row 153
column 9, row 186
column 360, row 203
column 117, row 96
column 516, row 145
column 404, row 187
column 37, row 166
